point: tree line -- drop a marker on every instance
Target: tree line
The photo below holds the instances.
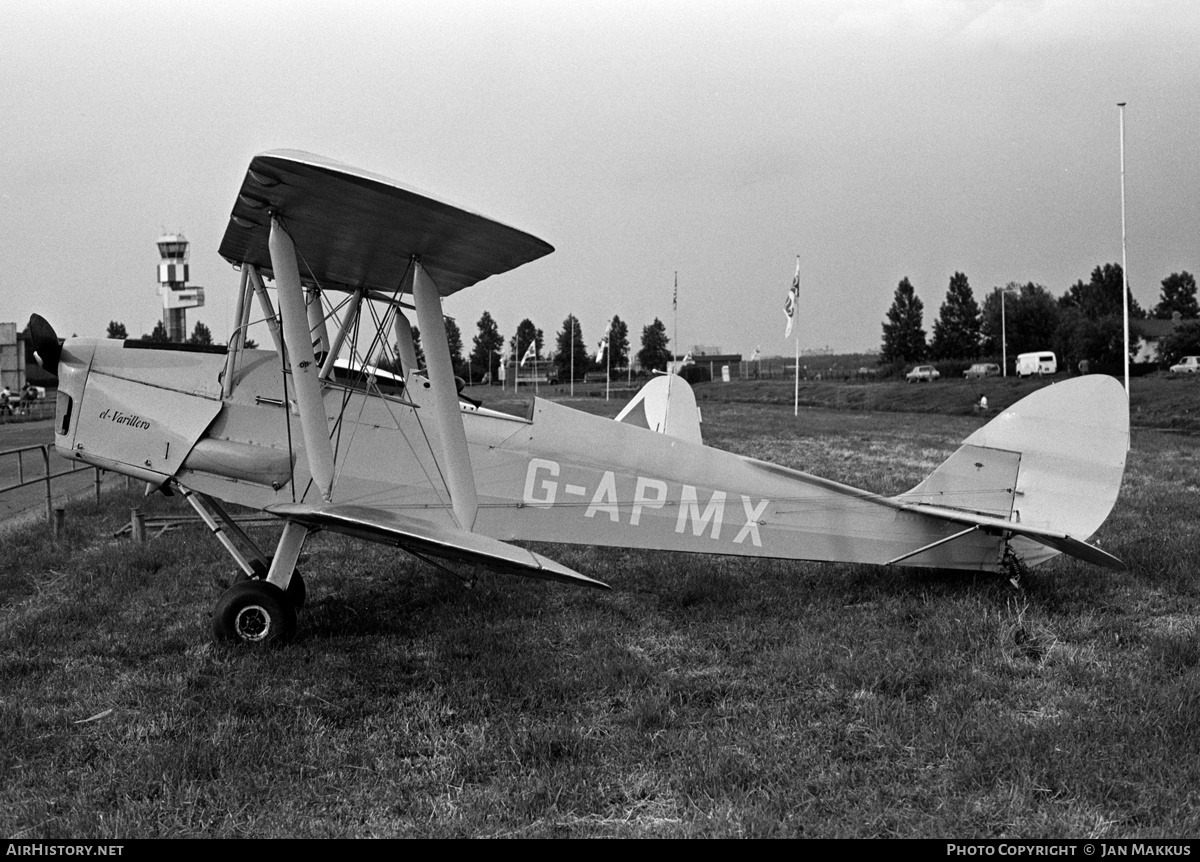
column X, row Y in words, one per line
column 488, row 347
column 201, row 334
column 1085, row 324
column 572, row 353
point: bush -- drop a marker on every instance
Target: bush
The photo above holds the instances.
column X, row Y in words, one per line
column 1184, row 341
column 950, row 368
column 892, row 370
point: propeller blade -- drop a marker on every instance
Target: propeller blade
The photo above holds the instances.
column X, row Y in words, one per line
column 45, row 343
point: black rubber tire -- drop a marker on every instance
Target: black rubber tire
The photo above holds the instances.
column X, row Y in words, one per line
column 297, row 591
column 256, row 613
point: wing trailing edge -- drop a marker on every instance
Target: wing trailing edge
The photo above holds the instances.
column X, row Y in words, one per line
column 421, row 536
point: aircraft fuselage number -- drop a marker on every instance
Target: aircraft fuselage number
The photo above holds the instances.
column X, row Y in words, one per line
column 700, row 512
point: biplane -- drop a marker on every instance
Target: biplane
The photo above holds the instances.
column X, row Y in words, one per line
column 310, row 432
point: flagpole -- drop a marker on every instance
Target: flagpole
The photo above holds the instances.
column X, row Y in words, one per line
column 1003, row 337
column 796, row 392
column 674, row 335
column 1124, row 274
column 572, row 356
column 1124, row 264
column 796, row 301
column 608, row 360
column 517, row 363
column 675, row 320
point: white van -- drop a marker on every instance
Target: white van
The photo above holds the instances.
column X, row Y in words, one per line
column 1042, row 362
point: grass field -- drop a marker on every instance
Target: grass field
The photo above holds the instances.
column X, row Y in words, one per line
column 703, row 696
column 1164, row 401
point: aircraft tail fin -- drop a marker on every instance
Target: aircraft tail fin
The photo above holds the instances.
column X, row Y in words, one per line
column 667, row 405
column 1050, row 466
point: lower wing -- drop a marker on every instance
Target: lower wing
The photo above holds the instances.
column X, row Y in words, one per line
column 437, row 540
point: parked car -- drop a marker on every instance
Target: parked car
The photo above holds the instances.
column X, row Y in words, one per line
column 982, row 369
column 922, row 374
column 1187, row 365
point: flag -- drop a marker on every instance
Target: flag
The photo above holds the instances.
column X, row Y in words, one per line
column 601, row 347
column 793, row 297
column 675, row 297
column 757, row 351
column 531, row 353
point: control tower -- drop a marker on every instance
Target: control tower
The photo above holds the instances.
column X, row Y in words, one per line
column 177, row 297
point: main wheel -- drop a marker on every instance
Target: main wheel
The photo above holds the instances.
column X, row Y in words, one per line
column 254, row 612
column 297, row 592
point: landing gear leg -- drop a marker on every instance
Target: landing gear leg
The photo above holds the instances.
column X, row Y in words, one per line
column 262, row 608
column 297, row 590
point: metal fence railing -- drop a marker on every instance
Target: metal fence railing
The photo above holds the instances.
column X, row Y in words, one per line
column 37, row 472
column 26, row 411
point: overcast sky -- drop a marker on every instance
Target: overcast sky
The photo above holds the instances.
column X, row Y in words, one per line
column 877, row 140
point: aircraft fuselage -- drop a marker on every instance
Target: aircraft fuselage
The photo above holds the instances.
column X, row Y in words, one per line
column 559, row 476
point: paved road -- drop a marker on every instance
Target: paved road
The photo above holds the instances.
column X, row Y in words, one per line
column 30, row 502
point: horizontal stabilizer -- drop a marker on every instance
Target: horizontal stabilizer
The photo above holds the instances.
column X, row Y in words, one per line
column 437, row 540
column 975, row 478
column 1059, row 541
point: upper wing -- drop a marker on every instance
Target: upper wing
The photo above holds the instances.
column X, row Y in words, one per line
column 354, row 228
column 381, row 525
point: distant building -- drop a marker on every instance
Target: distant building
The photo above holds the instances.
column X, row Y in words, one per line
column 1152, row 331
column 12, row 358
column 714, row 359
column 713, row 362
column 18, row 365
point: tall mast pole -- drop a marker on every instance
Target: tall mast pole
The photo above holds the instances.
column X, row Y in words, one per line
column 1124, row 274
column 796, row 387
column 1003, row 337
column 608, row 361
column 1124, row 265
